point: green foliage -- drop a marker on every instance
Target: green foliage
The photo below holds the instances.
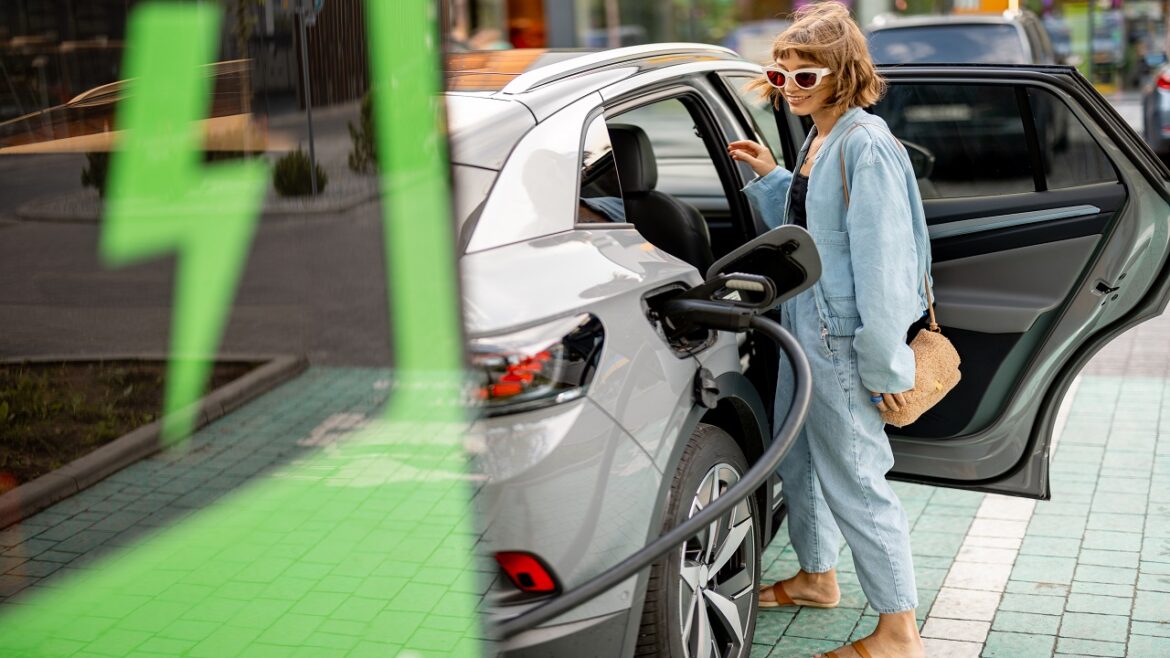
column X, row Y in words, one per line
column 94, row 174
column 364, row 157
column 291, row 175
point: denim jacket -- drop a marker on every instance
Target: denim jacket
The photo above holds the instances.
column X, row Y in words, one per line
column 874, row 252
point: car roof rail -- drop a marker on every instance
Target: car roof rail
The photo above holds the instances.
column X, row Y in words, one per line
column 544, row 75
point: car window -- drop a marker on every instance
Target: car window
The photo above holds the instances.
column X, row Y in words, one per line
column 601, row 195
column 1071, row 156
column 948, row 44
column 974, row 133
column 760, row 112
column 976, row 139
column 684, row 165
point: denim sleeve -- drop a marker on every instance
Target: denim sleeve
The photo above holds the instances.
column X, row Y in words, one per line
column 768, row 193
column 885, row 266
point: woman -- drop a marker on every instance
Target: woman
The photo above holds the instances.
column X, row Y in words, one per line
column 855, row 192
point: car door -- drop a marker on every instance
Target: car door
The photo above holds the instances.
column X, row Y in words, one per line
column 1048, row 223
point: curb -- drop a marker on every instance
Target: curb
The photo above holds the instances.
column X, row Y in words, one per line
column 83, row 472
column 28, row 213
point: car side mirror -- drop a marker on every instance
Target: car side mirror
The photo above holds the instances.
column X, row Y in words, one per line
column 921, row 160
column 786, row 256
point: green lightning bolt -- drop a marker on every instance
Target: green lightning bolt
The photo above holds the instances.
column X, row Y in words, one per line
column 162, row 198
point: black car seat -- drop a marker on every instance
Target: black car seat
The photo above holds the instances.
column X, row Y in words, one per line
column 673, row 226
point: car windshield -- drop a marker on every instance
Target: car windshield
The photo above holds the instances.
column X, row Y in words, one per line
column 948, row 44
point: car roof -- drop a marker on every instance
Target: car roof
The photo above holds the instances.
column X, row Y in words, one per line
column 507, row 89
column 889, row 22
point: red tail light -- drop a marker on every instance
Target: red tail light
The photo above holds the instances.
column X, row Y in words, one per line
column 527, row 572
column 1163, row 80
column 536, row 367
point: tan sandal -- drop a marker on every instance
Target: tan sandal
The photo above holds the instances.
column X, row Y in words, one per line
column 857, row 646
column 784, row 600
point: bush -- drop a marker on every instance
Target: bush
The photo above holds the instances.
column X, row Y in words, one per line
column 94, row 175
column 363, row 157
column 291, row 175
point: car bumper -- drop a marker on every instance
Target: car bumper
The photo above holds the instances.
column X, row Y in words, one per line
column 569, row 485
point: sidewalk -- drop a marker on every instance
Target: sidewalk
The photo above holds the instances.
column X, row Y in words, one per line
column 344, row 190
column 1085, row 574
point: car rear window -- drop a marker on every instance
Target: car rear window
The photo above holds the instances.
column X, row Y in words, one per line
column 948, row 44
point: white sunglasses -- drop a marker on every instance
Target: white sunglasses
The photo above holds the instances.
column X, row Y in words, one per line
column 804, row 78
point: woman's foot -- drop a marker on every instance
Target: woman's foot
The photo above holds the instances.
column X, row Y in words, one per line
column 896, row 636
column 818, row 589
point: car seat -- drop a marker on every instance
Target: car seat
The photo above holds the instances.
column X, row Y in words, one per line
column 673, row 226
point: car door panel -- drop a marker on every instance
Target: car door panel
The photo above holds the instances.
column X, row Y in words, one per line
column 1036, row 264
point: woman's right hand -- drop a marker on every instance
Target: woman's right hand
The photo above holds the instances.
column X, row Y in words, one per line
column 757, row 156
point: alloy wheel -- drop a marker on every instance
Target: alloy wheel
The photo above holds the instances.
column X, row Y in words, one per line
column 718, row 575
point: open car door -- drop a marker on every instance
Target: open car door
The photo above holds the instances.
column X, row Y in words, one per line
column 1048, row 220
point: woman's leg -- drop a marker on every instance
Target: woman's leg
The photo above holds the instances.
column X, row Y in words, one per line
column 811, row 529
column 851, row 455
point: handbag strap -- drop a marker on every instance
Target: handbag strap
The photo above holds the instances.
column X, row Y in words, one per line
column 926, row 279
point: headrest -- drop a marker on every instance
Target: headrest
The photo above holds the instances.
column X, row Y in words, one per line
column 637, row 169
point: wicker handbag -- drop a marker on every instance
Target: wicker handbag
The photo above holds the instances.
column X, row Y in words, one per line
column 936, row 362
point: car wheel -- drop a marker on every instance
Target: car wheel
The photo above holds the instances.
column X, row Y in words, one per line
column 701, row 599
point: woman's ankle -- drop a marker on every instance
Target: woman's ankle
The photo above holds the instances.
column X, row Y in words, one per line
column 899, row 626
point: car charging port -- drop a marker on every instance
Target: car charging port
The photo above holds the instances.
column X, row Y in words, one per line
column 726, row 302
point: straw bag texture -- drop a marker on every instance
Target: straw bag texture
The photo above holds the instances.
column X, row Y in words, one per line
column 936, row 362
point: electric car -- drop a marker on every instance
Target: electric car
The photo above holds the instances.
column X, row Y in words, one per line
column 591, row 187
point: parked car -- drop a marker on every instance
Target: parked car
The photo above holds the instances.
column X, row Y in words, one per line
column 590, row 189
column 1018, row 38
column 1008, row 38
column 1156, row 111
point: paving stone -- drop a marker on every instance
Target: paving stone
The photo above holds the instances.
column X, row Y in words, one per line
column 1052, row 546
column 836, row 624
column 1071, row 527
column 1103, row 589
column 1044, row 605
column 1077, row 646
column 1109, row 540
column 939, row 648
column 1150, row 628
column 1152, row 606
column 965, row 604
column 1025, row 622
column 1042, row 589
column 1105, row 628
column 1142, row 646
column 971, row 575
column 1018, row 645
column 1109, row 558
column 955, row 629
column 1094, row 603
column 1044, row 569
column 1114, row 575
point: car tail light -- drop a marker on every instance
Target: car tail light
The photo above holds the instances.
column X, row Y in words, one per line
column 527, row 572
column 1163, row 80
column 537, row 367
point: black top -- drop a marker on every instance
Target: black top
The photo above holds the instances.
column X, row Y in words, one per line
column 796, row 207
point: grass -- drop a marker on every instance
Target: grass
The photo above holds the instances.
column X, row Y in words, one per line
column 53, row 413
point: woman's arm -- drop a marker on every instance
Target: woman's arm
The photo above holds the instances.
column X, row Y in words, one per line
column 769, row 192
column 885, row 263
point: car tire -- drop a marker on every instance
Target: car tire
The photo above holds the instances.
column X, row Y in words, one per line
column 721, row 601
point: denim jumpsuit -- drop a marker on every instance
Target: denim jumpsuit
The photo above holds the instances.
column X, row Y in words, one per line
column 852, row 324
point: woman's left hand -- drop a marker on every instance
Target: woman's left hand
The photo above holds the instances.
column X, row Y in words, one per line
column 891, row 401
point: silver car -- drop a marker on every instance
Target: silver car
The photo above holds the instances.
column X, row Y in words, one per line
column 591, row 187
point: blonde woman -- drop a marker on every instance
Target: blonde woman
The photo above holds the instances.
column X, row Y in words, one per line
column 855, row 192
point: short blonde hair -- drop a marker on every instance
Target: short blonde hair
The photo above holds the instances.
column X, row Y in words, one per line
column 826, row 34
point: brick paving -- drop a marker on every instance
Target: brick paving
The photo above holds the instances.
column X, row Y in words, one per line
column 354, row 542
column 1085, row 574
